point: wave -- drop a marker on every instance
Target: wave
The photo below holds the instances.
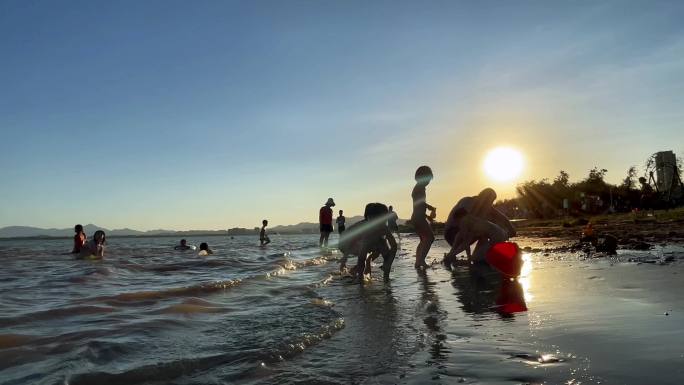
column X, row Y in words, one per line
column 71, row 311
column 248, row 361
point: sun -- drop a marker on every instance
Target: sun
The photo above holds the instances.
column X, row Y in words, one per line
column 503, row 164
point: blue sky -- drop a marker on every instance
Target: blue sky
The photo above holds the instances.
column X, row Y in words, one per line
column 177, row 114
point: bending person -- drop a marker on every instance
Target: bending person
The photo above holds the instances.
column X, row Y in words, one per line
column 474, row 219
column 369, row 239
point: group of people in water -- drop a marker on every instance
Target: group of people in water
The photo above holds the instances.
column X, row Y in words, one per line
column 84, row 248
column 472, row 219
column 95, row 247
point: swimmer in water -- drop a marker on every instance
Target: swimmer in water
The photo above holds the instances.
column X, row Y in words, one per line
column 183, row 245
column 263, row 238
column 204, row 250
column 419, row 219
column 79, row 239
column 369, row 239
column 94, row 248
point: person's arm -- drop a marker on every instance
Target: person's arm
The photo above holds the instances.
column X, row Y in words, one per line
column 100, row 251
column 500, row 219
column 461, row 243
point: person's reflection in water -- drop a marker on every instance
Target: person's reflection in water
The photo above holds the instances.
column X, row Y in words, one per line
column 435, row 315
column 511, row 298
column 481, row 290
column 378, row 339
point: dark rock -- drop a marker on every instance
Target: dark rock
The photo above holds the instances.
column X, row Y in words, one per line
column 641, row 246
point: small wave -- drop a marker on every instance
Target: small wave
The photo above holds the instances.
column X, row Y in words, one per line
column 72, row 311
column 14, row 340
column 282, row 261
column 193, row 306
column 166, row 371
column 168, row 293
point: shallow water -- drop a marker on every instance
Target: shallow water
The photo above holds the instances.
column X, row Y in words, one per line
column 249, row 315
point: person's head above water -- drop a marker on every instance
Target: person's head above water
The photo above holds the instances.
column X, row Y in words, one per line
column 264, row 222
column 204, row 246
column 423, row 175
column 99, row 236
column 183, row 242
column 78, row 228
column 330, row 202
column 390, row 208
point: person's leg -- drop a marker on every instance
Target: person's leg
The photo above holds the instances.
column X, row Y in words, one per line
column 370, row 258
column 361, row 266
column 343, row 262
column 325, row 241
column 320, row 241
column 487, row 234
column 389, row 252
column 424, row 231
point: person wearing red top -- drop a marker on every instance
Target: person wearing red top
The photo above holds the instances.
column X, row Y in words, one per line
column 325, row 218
column 79, row 239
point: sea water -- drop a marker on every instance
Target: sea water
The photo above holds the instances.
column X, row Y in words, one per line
column 282, row 314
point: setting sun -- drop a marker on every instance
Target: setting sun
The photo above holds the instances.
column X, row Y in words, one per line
column 503, row 164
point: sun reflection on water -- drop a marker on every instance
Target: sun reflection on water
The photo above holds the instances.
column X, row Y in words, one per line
column 525, row 278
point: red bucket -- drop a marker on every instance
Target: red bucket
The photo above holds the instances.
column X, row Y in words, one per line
column 506, row 258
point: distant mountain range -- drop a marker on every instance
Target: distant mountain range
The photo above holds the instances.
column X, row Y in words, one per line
column 28, row 231
column 37, row 232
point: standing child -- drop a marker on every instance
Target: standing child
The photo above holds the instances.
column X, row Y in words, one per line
column 419, row 219
column 79, row 239
column 325, row 216
column 263, row 238
column 340, row 222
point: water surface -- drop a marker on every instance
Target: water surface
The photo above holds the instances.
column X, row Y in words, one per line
column 280, row 314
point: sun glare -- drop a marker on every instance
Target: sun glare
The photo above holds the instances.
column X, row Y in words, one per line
column 503, row 164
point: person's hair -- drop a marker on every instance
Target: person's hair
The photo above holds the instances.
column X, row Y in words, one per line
column 374, row 210
column 642, row 180
column 78, row 228
column 183, row 241
column 264, row 222
column 100, row 232
column 423, row 174
column 204, row 246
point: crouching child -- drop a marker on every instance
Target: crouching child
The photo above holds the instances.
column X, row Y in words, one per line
column 369, row 239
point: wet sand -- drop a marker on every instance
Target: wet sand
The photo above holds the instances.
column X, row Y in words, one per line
column 631, row 231
column 590, row 320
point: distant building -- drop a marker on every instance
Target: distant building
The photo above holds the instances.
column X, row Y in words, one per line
column 667, row 178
